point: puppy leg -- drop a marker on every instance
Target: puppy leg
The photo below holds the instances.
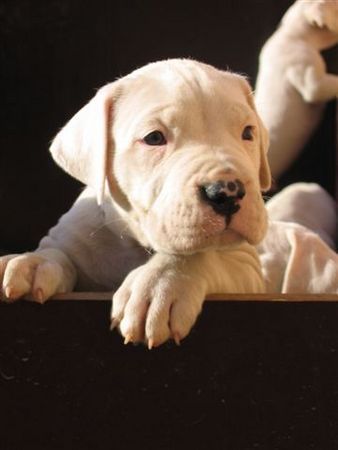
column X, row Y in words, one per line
column 313, row 83
column 163, row 298
column 38, row 275
column 144, row 304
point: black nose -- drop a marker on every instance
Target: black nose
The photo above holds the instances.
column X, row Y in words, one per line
column 223, row 196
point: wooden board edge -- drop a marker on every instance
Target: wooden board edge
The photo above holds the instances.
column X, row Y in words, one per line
column 296, row 297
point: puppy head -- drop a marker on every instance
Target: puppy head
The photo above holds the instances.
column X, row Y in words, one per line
column 158, row 139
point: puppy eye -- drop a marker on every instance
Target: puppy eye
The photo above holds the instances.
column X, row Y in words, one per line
column 247, row 134
column 155, row 138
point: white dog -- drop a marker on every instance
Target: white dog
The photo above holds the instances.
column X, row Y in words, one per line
column 292, row 85
column 174, row 157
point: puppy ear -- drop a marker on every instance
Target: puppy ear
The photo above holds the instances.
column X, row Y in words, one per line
column 264, row 168
column 82, row 147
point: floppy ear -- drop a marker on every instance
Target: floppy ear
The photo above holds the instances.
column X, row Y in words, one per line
column 82, row 147
column 264, row 169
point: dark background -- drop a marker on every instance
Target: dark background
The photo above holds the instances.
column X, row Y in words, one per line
column 55, row 53
column 251, row 375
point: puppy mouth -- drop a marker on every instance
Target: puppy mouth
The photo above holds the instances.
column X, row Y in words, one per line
column 212, row 217
column 227, row 209
column 213, row 233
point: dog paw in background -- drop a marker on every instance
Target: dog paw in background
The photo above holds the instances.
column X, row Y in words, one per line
column 293, row 86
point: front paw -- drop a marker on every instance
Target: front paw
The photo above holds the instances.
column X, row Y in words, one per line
column 29, row 275
column 155, row 304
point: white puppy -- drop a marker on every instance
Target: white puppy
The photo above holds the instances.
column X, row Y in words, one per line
column 292, row 85
column 174, row 156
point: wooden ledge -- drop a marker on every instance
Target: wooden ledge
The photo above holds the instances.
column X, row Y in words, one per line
column 105, row 296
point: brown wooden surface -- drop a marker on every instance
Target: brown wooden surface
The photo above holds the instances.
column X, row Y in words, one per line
column 102, row 296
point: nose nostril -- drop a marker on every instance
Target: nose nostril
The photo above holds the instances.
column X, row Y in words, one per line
column 231, row 186
column 240, row 189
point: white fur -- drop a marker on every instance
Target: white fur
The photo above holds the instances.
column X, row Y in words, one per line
column 149, row 198
column 296, row 254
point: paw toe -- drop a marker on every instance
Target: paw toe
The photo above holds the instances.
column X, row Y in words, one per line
column 182, row 318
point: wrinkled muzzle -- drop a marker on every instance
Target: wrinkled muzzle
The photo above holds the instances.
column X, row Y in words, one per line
column 205, row 203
